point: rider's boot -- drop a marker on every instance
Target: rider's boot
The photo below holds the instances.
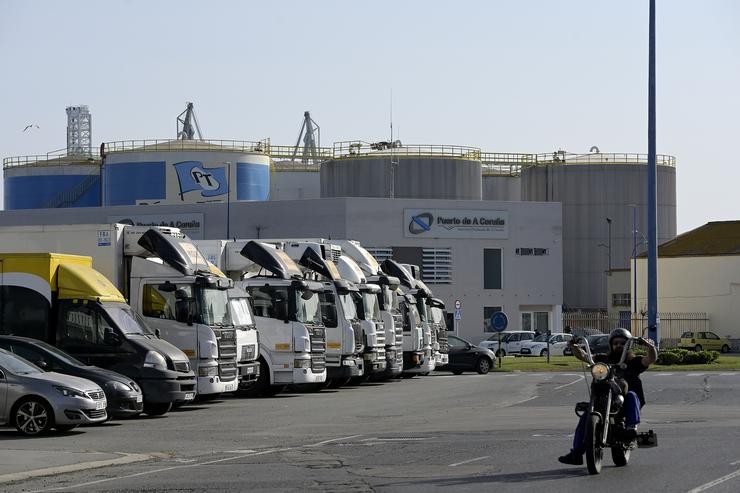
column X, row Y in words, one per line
column 572, row 458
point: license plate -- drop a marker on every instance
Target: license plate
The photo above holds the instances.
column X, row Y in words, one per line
column 99, row 405
column 230, row 387
column 189, row 396
column 250, row 369
column 139, row 398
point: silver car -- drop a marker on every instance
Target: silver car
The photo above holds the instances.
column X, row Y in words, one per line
column 35, row 401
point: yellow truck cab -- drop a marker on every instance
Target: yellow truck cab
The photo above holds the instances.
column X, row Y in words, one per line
column 62, row 300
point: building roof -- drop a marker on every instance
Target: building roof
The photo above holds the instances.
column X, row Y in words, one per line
column 713, row 239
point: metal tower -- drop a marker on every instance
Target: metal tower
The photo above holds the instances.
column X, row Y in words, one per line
column 79, row 130
column 310, row 141
column 187, row 124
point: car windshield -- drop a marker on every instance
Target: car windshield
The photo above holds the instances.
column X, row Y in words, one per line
column 504, row 337
column 17, row 365
column 59, row 354
column 214, row 307
column 127, row 320
column 308, row 308
column 540, row 338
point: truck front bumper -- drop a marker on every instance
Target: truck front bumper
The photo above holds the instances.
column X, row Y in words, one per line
column 248, row 374
column 350, row 366
column 162, row 390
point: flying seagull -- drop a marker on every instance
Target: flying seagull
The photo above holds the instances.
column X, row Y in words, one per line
column 30, row 126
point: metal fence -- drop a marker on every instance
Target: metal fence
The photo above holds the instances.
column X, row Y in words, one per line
column 672, row 324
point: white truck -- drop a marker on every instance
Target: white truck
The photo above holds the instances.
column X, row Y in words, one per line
column 416, row 295
column 165, row 279
column 287, row 310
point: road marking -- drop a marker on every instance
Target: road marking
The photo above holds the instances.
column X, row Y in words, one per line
column 81, row 466
column 319, row 444
column 695, row 374
column 244, row 451
column 714, row 483
column 731, row 374
column 663, row 374
column 408, row 439
column 735, row 463
column 155, row 471
column 469, row 461
column 523, row 401
column 571, row 383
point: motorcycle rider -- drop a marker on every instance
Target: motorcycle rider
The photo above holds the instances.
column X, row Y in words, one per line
column 634, row 398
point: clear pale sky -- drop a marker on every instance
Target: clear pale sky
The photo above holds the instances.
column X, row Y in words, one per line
column 505, row 76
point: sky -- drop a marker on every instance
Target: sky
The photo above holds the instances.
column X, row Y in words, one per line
column 528, row 76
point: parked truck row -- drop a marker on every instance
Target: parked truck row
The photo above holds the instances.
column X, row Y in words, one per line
column 186, row 319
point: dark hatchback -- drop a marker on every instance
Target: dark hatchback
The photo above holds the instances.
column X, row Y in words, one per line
column 123, row 394
column 598, row 343
column 465, row 356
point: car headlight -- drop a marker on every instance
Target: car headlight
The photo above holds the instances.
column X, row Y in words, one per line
column 118, row 386
column 67, row 392
column 599, row 371
column 155, row 360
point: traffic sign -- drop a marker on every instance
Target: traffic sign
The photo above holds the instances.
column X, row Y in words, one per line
column 499, row 321
column 458, row 304
column 458, row 314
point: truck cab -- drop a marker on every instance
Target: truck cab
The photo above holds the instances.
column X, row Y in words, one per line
column 247, row 337
column 438, row 322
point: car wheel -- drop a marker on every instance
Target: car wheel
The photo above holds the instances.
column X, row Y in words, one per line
column 500, row 353
column 65, row 428
column 457, row 372
column 697, row 348
column 483, row 366
column 157, row 408
column 33, row 416
column 725, row 349
column 543, row 352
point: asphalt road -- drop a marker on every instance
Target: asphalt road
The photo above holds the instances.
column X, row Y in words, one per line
column 498, row 432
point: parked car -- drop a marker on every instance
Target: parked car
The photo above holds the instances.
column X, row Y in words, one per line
column 35, row 401
column 466, row 356
column 598, row 343
column 124, row 397
column 539, row 345
column 704, row 341
column 511, row 342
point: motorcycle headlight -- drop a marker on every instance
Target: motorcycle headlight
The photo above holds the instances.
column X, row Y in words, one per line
column 599, row 371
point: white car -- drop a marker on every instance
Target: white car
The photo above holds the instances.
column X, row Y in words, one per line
column 511, row 342
column 539, row 345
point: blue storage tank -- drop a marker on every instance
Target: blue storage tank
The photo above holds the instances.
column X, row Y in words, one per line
column 41, row 182
column 184, row 171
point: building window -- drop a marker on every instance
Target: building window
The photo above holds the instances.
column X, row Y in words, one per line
column 621, row 299
column 536, row 321
column 435, row 263
column 492, row 268
column 488, row 312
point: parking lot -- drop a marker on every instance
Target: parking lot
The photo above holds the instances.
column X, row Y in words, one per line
column 500, row 431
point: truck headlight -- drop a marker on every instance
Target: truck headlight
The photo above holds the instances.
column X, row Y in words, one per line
column 207, row 371
column 302, row 363
column 155, row 360
column 370, row 356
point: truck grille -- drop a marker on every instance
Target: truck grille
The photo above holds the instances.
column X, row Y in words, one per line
column 318, row 362
column 249, row 352
column 444, row 346
column 182, row 366
column 318, row 338
column 380, row 332
column 227, row 369
column 358, row 335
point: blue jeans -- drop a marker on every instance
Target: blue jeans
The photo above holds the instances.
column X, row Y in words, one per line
column 631, row 410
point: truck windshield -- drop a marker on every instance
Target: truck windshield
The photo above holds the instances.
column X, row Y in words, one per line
column 214, row 307
column 241, row 315
column 307, row 310
column 128, row 321
column 371, row 306
column 348, row 306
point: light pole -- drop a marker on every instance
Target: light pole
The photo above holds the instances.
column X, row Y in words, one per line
column 609, row 245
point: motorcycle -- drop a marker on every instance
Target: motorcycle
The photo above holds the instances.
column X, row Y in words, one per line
column 605, row 425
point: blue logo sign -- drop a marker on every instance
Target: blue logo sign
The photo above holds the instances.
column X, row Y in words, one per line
column 192, row 175
column 421, row 223
column 499, row 321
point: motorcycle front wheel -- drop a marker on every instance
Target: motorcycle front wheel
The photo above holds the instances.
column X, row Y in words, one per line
column 594, row 452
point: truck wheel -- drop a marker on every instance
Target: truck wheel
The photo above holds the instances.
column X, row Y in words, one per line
column 157, row 408
column 32, row 416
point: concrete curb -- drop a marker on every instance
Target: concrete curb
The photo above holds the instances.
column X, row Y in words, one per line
column 81, row 466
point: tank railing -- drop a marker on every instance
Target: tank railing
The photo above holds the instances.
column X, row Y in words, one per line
column 59, row 157
column 286, row 152
column 561, row 157
column 359, row 148
column 159, row 145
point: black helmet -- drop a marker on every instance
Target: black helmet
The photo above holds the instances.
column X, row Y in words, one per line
column 621, row 333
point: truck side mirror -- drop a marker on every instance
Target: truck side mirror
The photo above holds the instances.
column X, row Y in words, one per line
column 110, row 337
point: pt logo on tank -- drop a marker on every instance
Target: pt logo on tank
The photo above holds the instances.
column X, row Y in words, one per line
column 421, row 223
column 192, row 176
